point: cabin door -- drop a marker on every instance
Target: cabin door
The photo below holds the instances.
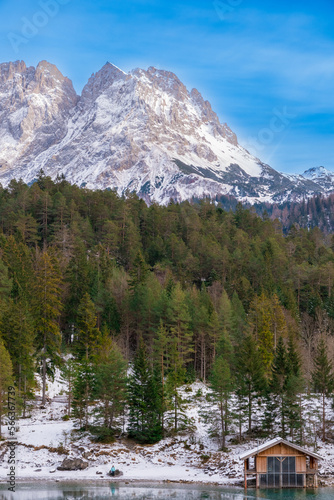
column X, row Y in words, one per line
column 273, row 472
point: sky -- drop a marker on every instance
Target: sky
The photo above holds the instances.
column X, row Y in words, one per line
column 267, row 68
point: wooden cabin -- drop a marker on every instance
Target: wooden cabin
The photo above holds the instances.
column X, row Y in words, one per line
column 281, row 464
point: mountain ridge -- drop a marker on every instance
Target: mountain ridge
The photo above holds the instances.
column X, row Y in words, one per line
column 140, row 131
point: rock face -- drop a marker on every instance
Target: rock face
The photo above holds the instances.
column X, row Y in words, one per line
column 141, row 131
column 35, row 105
column 73, row 464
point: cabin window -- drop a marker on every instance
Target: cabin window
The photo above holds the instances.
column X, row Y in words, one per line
column 281, row 473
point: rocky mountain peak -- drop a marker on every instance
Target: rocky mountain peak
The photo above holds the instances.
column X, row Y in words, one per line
column 9, row 69
column 208, row 115
column 101, row 80
column 35, row 104
column 314, row 172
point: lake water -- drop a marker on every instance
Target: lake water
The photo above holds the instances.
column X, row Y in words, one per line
column 67, row 491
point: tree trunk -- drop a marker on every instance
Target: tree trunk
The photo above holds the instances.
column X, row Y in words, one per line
column 283, row 418
column 249, row 411
column 44, row 373
column 222, row 423
column 163, row 393
column 24, row 396
column 323, row 417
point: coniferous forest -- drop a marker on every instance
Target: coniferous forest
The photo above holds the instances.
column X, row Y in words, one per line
column 131, row 302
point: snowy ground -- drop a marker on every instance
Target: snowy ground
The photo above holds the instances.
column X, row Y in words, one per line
column 44, row 440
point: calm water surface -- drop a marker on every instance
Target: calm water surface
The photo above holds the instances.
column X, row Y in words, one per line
column 62, row 491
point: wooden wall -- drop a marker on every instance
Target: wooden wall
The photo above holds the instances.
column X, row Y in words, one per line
column 280, row 450
column 301, row 464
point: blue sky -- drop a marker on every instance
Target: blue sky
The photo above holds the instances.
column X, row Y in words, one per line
column 266, row 67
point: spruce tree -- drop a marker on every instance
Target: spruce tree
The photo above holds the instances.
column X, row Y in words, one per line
column 110, row 386
column 175, row 378
column 18, row 333
column 295, row 386
column 6, row 379
column 47, row 309
column 221, row 384
column 278, row 385
column 144, row 398
column 250, row 379
column 284, row 386
column 69, row 368
column 87, row 333
column 84, row 389
column 323, row 379
column 179, row 321
column 161, row 343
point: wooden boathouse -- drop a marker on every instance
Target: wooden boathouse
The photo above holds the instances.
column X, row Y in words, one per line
column 281, row 464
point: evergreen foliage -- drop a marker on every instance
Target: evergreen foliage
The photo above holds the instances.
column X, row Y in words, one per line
column 6, row 379
column 323, row 379
column 202, row 287
column 144, row 399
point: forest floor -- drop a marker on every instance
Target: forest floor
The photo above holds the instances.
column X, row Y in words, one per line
column 44, row 440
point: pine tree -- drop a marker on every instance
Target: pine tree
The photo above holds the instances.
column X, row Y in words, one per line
column 6, row 378
column 144, row 397
column 323, row 379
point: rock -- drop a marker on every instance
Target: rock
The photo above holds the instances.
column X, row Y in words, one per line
column 37, row 470
column 117, row 473
column 73, row 464
column 51, row 471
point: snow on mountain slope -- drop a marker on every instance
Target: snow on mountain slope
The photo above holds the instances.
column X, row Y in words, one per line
column 35, row 104
column 142, row 131
column 321, row 176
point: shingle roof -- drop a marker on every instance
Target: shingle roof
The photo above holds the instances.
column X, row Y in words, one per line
column 271, row 443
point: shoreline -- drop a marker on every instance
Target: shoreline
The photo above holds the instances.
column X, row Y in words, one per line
column 124, row 481
column 141, row 482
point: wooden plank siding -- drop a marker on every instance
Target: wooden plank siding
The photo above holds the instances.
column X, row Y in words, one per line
column 279, row 450
column 298, row 473
column 301, row 464
column 261, row 464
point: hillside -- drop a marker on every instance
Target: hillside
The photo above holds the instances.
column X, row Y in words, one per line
column 45, row 440
column 182, row 292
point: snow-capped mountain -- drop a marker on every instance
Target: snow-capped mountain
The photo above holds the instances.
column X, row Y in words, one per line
column 321, row 176
column 141, row 131
column 35, row 106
